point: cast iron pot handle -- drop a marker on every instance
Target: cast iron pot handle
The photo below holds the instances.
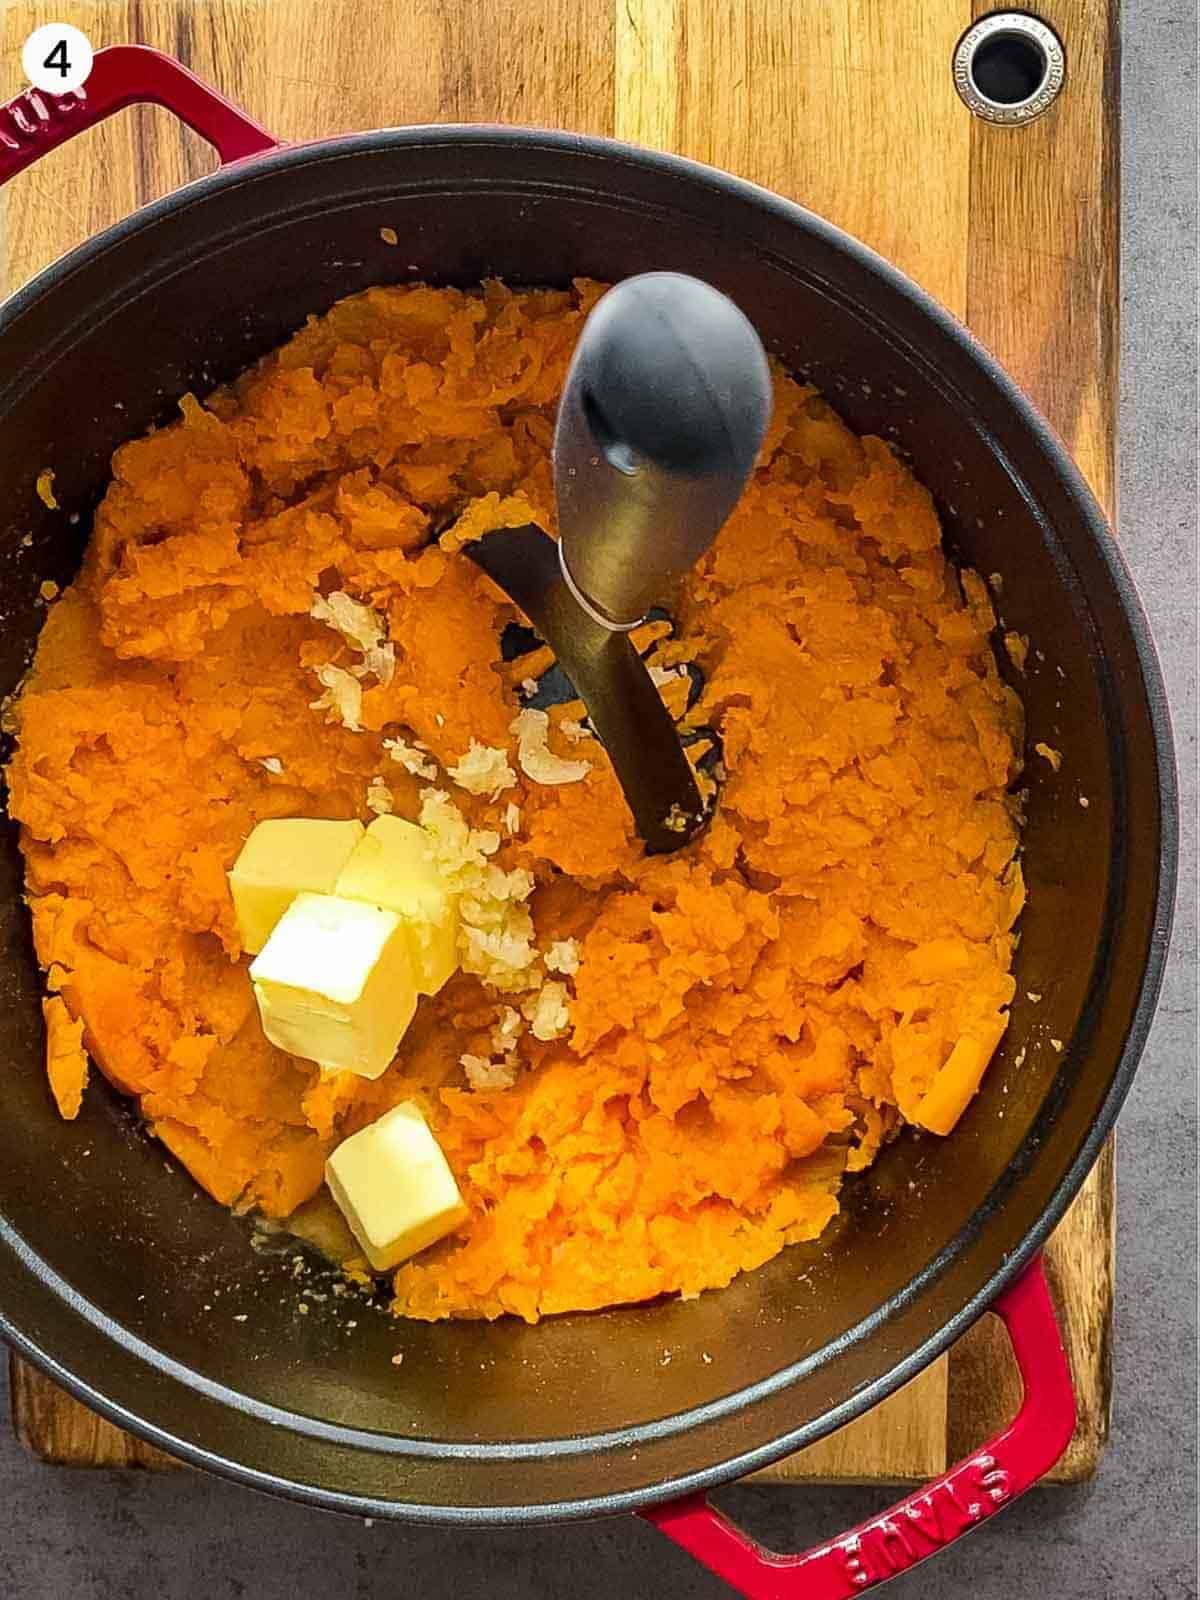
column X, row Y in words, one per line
column 926, row 1521
column 124, row 75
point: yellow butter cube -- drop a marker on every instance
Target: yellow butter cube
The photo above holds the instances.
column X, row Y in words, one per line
column 391, row 866
column 394, row 1187
column 282, row 858
column 335, row 983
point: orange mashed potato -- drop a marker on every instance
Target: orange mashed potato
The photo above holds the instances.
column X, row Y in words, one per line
column 751, row 1017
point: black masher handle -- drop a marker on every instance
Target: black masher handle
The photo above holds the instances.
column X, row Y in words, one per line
column 664, row 409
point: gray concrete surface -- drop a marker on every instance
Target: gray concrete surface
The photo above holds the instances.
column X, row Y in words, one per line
column 1129, row 1535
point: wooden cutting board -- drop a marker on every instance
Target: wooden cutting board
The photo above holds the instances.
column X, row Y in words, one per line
column 845, row 105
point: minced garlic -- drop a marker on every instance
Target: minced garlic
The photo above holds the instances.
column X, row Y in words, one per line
column 342, row 697
column 496, row 931
column 356, row 623
column 484, row 770
column 502, row 956
column 413, row 758
column 484, row 1074
column 547, row 1013
column 563, row 956
column 379, row 798
column 537, row 760
column 508, row 1030
column 360, row 627
column 488, row 1072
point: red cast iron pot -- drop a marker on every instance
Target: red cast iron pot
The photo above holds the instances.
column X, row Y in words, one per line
column 105, row 1264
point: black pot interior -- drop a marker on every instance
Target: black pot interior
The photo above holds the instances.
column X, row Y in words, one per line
column 117, row 1270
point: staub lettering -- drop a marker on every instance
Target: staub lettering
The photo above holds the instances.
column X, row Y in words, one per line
column 31, row 115
column 882, row 1548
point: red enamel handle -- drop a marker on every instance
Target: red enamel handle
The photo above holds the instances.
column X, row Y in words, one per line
column 124, row 75
column 933, row 1517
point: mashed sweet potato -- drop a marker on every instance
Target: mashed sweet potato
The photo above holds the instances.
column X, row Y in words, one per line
column 750, row 1017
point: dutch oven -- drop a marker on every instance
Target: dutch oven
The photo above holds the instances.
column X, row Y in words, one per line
column 106, row 1263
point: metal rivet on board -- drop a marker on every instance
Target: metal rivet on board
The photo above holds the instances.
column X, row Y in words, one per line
column 1009, row 67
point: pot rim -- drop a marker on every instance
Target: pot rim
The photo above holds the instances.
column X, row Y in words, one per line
column 349, row 146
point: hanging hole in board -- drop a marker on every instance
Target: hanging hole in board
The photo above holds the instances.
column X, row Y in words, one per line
column 1009, row 67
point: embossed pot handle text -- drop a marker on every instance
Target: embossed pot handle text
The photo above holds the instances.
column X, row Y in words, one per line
column 933, row 1517
column 124, row 75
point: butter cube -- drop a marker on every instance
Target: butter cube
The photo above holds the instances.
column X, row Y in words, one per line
column 335, row 984
column 391, row 867
column 282, row 858
column 394, row 1187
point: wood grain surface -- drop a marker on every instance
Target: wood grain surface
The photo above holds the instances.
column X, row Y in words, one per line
column 845, row 105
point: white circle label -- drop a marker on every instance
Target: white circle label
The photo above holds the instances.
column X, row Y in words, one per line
column 57, row 58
